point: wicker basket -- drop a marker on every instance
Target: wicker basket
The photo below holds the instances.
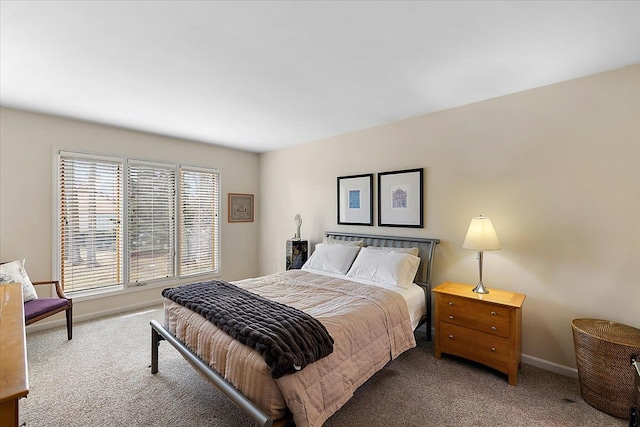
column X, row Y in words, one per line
column 604, row 351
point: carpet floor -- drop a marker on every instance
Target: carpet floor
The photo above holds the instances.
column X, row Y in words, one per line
column 102, row 377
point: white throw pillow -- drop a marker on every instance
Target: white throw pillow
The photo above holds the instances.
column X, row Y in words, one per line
column 332, row 258
column 14, row 272
column 333, row 241
column 386, row 267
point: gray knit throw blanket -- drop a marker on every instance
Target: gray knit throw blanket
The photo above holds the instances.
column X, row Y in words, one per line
column 286, row 337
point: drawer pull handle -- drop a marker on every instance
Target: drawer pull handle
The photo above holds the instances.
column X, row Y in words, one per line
column 451, row 316
column 493, row 313
column 493, row 349
column 493, row 328
column 451, row 336
column 450, row 303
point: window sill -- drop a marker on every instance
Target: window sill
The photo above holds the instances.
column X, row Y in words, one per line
column 116, row 290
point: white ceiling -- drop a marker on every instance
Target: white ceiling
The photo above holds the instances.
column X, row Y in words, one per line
column 262, row 75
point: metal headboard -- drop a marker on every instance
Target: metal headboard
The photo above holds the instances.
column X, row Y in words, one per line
column 426, row 248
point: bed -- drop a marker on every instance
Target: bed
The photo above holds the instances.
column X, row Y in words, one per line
column 371, row 320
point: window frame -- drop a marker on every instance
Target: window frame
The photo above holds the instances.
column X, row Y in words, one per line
column 127, row 285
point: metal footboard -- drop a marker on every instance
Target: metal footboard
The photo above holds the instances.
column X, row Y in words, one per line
column 159, row 333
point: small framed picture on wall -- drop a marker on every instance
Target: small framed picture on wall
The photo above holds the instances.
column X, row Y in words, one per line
column 400, row 198
column 355, row 199
column 240, row 207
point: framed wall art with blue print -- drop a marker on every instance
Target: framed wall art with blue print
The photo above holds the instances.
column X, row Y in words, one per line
column 355, row 199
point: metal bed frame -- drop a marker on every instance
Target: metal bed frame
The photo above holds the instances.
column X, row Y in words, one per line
column 426, row 249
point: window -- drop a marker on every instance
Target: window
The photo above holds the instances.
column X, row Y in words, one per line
column 198, row 222
column 112, row 236
column 151, row 222
column 90, row 223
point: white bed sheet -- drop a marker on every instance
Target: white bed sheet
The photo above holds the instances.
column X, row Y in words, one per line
column 413, row 294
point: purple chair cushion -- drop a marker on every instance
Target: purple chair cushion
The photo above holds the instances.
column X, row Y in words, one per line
column 40, row 306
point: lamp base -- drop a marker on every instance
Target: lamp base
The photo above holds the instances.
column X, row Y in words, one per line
column 480, row 289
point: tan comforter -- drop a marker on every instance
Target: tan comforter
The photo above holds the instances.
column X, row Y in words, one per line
column 370, row 327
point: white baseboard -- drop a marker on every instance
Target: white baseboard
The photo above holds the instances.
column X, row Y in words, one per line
column 39, row 326
column 550, row 366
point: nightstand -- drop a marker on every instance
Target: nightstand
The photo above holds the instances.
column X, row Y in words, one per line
column 485, row 328
column 297, row 251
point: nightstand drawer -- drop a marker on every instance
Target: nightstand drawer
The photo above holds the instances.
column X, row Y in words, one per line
column 470, row 320
column 478, row 308
column 478, row 346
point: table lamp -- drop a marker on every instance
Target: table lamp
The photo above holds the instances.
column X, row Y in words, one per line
column 481, row 237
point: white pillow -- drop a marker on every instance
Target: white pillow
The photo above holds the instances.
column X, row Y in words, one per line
column 332, row 258
column 412, row 251
column 14, row 272
column 333, row 241
column 386, row 267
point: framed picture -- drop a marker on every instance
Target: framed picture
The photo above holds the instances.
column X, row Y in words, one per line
column 400, row 201
column 355, row 199
column 240, row 207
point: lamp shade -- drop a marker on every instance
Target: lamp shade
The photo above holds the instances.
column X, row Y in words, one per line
column 481, row 235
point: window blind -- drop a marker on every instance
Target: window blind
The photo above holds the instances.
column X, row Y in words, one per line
column 151, row 222
column 90, row 197
column 199, row 222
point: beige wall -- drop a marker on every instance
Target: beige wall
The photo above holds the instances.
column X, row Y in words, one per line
column 27, row 209
column 557, row 170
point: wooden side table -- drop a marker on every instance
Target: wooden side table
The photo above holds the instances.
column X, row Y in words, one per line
column 485, row 328
column 13, row 353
